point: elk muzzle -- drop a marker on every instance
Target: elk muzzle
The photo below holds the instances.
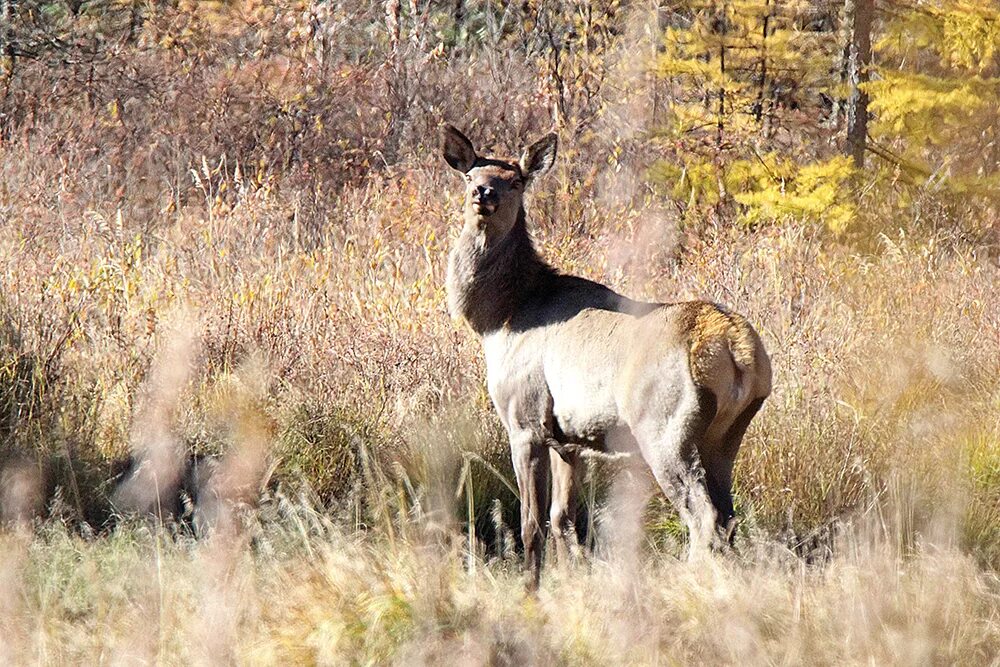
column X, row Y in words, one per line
column 485, row 200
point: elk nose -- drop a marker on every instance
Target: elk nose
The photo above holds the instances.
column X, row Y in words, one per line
column 484, row 193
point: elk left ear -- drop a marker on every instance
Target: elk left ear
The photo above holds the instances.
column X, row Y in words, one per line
column 458, row 151
column 539, row 157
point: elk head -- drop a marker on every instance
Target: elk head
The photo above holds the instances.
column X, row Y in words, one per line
column 494, row 189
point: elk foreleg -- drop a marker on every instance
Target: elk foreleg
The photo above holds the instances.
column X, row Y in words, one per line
column 530, row 457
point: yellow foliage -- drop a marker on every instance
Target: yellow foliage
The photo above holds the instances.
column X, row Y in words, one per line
column 927, row 108
column 813, row 192
column 963, row 34
column 767, row 188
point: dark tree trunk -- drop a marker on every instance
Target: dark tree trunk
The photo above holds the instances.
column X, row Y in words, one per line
column 858, row 62
column 134, row 23
column 6, row 54
column 758, row 107
column 722, row 96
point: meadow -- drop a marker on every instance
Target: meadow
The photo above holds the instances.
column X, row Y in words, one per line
column 238, row 424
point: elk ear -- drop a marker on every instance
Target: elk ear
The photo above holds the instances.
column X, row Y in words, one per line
column 457, row 149
column 539, row 157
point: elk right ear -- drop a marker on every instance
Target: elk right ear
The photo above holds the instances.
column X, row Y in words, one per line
column 539, row 156
column 457, row 149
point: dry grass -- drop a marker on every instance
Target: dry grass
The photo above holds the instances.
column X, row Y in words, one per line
column 258, row 279
column 298, row 589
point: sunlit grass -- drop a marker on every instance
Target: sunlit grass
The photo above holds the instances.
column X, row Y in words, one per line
column 297, row 587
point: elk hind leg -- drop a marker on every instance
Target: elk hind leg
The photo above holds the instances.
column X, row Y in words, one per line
column 718, row 461
column 672, row 451
column 562, row 512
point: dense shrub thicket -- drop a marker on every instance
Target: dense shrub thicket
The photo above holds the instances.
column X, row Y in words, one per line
column 248, row 195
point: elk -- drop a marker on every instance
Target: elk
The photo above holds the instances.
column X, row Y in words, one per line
column 572, row 365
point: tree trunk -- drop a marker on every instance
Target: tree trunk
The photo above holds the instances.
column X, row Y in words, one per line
column 133, row 23
column 720, row 123
column 6, row 33
column 858, row 62
column 720, row 26
column 7, row 56
column 758, row 107
column 845, row 22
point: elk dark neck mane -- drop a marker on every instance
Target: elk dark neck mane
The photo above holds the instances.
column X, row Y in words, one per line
column 487, row 284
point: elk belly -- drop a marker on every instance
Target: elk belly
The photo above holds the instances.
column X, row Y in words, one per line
column 580, row 419
column 582, row 388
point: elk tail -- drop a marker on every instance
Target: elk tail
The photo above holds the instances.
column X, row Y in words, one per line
column 713, row 327
column 743, row 349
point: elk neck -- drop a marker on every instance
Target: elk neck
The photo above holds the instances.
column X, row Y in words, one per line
column 490, row 280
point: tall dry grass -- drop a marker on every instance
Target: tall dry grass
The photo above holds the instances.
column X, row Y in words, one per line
column 298, row 587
